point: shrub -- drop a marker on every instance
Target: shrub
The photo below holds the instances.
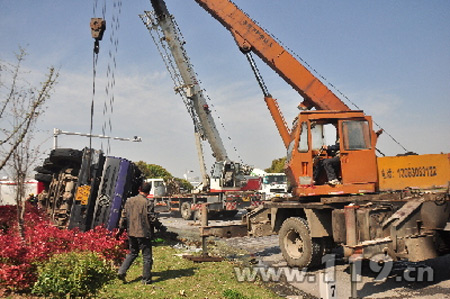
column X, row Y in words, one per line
column 73, row 275
column 17, row 277
column 19, row 258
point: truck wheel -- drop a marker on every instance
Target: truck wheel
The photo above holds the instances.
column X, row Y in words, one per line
column 41, row 169
column 296, row 244
column 185, row 211
column 66, row 155
column 50, row 166
column 43, row 177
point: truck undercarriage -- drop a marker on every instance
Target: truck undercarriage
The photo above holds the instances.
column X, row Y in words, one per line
column 411, row 224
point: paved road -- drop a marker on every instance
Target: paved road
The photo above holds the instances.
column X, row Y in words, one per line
column 400, row 281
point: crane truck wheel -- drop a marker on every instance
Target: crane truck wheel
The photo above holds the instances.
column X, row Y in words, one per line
column 186, row 211
column 299, row 249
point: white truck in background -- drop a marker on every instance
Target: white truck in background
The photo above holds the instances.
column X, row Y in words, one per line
column 273, row 184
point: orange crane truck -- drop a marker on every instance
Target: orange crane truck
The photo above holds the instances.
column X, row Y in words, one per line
column 398, row 206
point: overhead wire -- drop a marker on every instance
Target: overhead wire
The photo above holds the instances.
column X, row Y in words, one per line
column 108, row 105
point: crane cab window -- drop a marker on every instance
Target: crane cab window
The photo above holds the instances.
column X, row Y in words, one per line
column 323, row 134
column 217, row 172
column 303, row 146
column 317, row 136
column 356, row 135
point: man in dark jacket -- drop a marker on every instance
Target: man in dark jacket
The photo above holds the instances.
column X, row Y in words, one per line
column 138, row 218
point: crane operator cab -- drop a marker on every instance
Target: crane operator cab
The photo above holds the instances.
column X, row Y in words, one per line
column 227, row 175
column 233, row 176
column 331, row 153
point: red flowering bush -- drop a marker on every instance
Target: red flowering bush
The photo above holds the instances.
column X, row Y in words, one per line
column 19, row 258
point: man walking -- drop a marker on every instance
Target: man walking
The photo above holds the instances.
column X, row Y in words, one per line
column 138, row 218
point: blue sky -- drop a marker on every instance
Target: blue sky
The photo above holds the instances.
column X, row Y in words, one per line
column 391, row 58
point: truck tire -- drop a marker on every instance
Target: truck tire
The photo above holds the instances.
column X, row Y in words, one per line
column 65, row 155
column 43, row 177
column 42, row 169
column 186, row 211
column 50, row 166
column 299, row 249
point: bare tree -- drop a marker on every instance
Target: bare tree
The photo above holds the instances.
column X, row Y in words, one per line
column 20, row 108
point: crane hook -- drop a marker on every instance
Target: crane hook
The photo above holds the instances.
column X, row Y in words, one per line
column 98, row 27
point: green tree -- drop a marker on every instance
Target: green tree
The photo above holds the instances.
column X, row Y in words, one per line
column 153, row 171
column 277, row 166
column 184, row 184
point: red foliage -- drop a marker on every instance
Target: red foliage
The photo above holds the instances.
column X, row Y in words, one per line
column 19, row 258
column 8, row 215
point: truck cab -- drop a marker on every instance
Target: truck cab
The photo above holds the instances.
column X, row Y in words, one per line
column 357, row 169
column 274, row 185
column 158, row 188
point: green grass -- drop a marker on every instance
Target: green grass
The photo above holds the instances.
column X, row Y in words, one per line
column 176, row 277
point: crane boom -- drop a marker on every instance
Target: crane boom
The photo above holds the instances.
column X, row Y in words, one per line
column 226, row 175
column 189, row 84
column 251, row 37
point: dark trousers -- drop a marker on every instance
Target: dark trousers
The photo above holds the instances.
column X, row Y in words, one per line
column 136, row 245
column 331, row 167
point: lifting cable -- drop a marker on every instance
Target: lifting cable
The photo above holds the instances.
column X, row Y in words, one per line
column 98, row 26
column 257, row 74
column 110, row 73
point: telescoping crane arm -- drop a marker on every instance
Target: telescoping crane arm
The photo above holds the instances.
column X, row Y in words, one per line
column 189, row 83
column 226, row 174
column 252, row 38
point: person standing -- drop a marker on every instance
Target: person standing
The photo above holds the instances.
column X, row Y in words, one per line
column 138, row 219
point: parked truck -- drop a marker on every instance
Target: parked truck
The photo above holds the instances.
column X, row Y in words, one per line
column 274, row 185
column 222, row 205
column 398, row 206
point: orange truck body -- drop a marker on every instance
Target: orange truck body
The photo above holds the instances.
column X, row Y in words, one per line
column 414, row 171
